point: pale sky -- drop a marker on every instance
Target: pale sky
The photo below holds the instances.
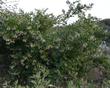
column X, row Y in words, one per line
column 100, row 8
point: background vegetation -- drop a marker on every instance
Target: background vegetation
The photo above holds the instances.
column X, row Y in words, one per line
column 38, row 49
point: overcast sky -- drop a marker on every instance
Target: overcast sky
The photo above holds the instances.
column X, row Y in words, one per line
column 100, row 8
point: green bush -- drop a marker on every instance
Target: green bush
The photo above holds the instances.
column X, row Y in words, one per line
column 36, row 43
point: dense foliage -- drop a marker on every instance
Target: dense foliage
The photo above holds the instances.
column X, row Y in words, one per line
column 38, row 49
